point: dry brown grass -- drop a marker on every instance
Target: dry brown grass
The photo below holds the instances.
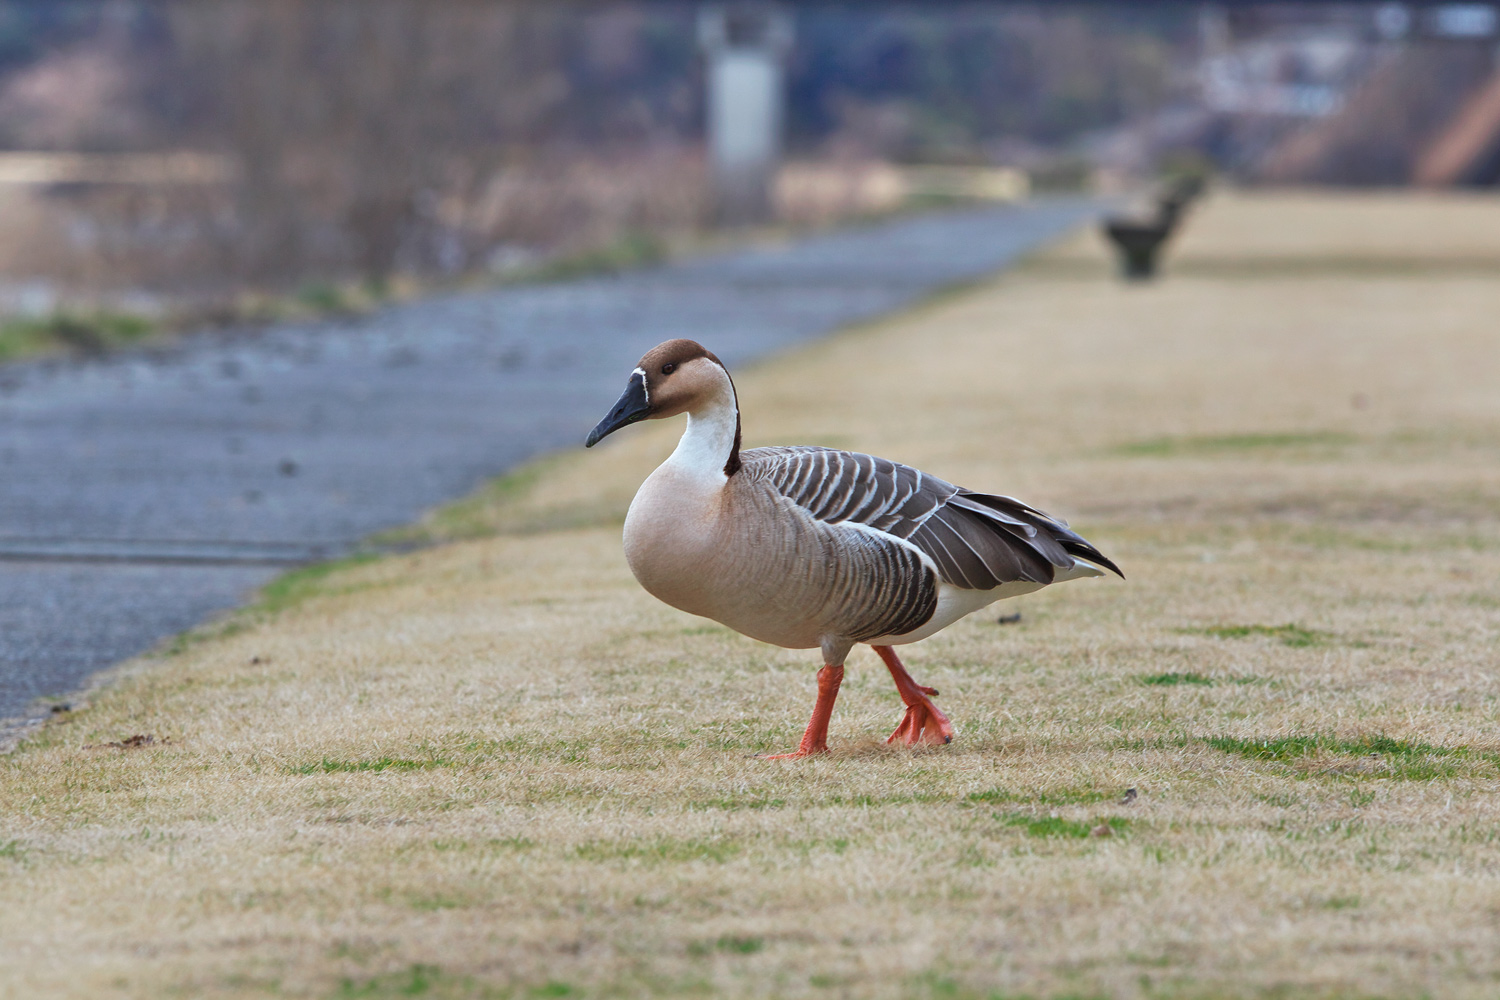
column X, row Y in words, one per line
column 498, row 768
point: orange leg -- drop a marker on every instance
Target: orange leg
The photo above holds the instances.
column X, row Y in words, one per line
column 815, row 740
column 923, row 722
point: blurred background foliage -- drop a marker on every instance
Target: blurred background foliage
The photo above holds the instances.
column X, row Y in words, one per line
column 371, row 138
column 950, row 84
column 227, row 155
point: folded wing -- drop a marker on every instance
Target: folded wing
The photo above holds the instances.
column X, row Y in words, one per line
column 976, row 540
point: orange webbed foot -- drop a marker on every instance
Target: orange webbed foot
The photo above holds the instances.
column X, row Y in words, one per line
column 924, row 722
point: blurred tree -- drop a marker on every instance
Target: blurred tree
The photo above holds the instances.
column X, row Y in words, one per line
column 360, row 115
column 377, row 136
column 960, row 76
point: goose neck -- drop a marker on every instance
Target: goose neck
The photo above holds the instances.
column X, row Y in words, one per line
column 710, row 445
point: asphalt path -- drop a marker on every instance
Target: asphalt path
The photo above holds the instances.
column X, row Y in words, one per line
column 142, row 492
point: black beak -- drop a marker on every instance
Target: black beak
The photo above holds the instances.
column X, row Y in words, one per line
column 632, row 406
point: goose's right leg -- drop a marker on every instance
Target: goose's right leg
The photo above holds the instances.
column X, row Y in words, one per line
column 924, row 722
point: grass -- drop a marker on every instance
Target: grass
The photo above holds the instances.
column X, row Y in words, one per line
column 661, row 850
column 299, row 585
column 496, row 768
column 1405, row 759
column 1050, row 797
column 1288, row 635
column 327, row 766
column 417, row 981
column 630, row 250
column 1231, row 444
column 90, row 333
column 503, row 506
column 1057, row 826
column 1175, row 678
column 79, row 333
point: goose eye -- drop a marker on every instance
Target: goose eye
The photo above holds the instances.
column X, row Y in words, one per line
column 668, row 369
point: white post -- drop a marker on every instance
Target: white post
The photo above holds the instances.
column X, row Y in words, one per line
column 744, row 44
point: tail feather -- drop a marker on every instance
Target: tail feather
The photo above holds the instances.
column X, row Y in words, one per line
column 1045, row 531
column 1077, row 546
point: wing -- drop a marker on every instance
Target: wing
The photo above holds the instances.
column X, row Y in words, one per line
column 975, row 540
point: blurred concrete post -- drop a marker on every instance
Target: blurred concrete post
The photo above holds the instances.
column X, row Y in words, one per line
column 745, row 44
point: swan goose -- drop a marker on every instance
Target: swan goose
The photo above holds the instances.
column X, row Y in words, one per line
column 809, row 547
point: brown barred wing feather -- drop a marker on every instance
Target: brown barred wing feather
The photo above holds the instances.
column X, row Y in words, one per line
column 975, row 540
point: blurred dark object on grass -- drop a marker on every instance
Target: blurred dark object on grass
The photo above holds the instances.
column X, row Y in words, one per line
column 1138, row 241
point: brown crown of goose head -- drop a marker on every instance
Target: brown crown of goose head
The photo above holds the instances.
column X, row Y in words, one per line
column 671, row 378
column 679, row 373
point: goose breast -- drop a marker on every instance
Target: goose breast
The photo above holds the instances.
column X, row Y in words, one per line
column 745, row 554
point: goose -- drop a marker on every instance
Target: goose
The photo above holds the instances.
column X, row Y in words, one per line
column 815, row 548
column 1140, row 241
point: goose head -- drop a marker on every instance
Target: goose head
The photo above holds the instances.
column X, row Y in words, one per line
column 679, row 376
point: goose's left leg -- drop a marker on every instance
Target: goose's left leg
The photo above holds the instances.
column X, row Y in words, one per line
column 924, row 723
column 815, row 739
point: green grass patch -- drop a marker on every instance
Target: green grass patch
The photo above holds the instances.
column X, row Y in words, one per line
column 662, row 849
column 1051, row 797
column 498, row 507
column 435, row 902
column 1232, row 444
column 881, row 801
column 12, row 850
column 1174, row 679
column 1288, row 635
column 734, row 944
column 1404, row 759
column 329, row 766
column 930, row 985
column 1056, row 826
column 1280, row 801
column 419, row 981
column 85, row 334
column 326, row 298
column 632, row 250
column 736, row 803
column 291, row 589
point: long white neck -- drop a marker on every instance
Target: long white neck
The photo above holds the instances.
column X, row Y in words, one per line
column 710, row 436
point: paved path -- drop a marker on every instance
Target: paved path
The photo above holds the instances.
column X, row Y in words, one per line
column 141, row 493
